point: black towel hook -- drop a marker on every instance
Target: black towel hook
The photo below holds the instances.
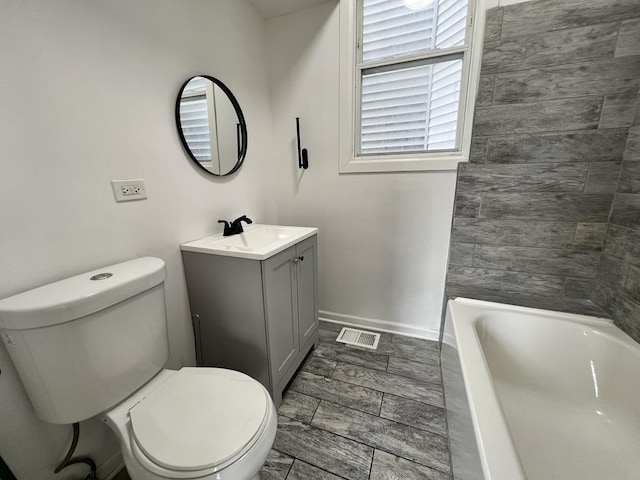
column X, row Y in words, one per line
column 303, row 156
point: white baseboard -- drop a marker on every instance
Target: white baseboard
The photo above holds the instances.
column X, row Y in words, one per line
column 380, row 325
column 111, row 466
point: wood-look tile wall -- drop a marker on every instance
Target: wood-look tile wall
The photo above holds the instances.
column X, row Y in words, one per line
column 618, row 277
column 558, row 90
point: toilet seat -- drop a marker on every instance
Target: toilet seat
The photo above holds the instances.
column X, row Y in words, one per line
column 177, row 425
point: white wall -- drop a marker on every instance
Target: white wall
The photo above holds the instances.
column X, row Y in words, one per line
column 87, row 93
column 383, row 238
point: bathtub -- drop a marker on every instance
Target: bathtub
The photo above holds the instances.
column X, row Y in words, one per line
column 539, row 395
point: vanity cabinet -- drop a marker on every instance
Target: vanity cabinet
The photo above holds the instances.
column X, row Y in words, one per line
column 259, row 317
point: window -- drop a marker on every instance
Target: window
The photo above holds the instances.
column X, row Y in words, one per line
column 405, row 84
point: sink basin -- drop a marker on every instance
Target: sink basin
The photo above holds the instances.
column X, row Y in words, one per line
column 258, row 242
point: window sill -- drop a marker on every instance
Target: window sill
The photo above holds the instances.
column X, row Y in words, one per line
column 402, row 164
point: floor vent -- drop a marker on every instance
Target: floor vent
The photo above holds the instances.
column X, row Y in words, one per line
column 351, row 336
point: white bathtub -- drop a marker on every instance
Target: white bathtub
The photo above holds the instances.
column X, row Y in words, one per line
column 539, row 395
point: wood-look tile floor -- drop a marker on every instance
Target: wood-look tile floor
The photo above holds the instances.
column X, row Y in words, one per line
column 354, row 413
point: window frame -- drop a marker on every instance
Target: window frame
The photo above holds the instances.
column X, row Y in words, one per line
column 351, row 67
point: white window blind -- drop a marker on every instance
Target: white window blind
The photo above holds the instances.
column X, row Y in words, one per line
column 194, row 119
column 409, row 93
column 389, row 28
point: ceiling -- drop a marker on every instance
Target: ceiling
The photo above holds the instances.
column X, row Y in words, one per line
column 275, row 8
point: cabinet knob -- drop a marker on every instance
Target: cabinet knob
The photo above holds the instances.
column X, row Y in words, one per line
column 295, row 260
column 302, row 258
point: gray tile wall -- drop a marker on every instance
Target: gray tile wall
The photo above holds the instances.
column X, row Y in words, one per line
column 618, row 277
column 552, row 158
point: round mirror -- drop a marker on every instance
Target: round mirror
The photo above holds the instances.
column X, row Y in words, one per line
column 211, row 125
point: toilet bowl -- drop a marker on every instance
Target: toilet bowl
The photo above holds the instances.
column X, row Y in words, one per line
column 96, row 345
column 195, row 423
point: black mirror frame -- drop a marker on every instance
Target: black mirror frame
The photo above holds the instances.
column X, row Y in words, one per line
column 243, row 126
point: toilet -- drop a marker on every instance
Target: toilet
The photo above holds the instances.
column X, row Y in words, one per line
column 96, row 345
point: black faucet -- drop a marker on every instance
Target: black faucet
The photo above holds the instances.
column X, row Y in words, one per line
column 235, row 227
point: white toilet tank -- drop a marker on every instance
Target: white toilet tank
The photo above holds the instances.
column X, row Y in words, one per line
column 83, row 344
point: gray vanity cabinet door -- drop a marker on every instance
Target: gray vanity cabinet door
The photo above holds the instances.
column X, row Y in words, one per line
column 280, row 298
column 307, row 288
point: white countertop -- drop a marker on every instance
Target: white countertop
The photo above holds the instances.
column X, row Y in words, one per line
column 258, row 242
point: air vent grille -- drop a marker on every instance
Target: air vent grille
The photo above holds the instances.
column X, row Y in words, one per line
column 361, row 338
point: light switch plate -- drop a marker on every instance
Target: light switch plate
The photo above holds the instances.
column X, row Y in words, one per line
column 128, row 190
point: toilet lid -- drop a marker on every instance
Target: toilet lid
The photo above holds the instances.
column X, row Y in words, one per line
column 199, row 418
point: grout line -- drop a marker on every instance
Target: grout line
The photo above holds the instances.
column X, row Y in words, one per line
column 427, row 384
column 331, row 432
column 444, row 436
column 552, row 99
column 334, row 368
column 316, row 410
column 528, row 68
column 309, row 463
column 547, row 132
column 361, row 442
column 559, row 29
column 586, row 178
column 572, row 131
column 310, row 426
column 493, row 98
column 449, row 473
column 617, row 39
column 422, row 382
column 417, row 379
column 373, row 457
column 602, row 110
column 290, row 466
column 325, row 470
column 423, row 402
column 554, row 163
column 291, row 418
column 335, row 401
column 575, row 234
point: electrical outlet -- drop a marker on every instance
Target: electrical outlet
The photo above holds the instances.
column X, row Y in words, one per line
column 127, row 190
